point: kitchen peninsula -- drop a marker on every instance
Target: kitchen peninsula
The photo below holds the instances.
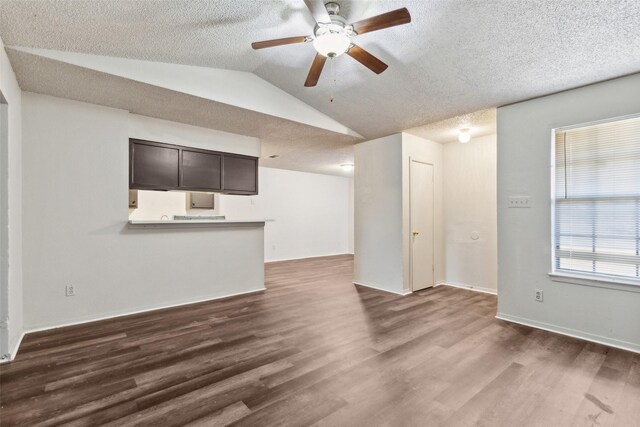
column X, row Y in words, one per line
column 201, row 260
column 174, row 203
column 211, row 258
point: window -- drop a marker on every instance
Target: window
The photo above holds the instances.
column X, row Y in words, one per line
column 596, row 200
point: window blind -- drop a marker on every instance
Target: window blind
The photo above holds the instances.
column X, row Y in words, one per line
column 597, row 199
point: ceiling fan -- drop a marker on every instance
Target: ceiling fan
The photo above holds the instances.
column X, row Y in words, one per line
column 332, row 36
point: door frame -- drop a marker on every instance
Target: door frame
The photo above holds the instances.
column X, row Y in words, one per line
column 433, row 219
column 4, row 228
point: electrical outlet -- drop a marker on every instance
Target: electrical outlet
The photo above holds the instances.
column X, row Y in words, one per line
column 519, row 202
column 539, row 295
column 70, row 291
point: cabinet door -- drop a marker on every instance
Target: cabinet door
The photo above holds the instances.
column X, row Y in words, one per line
column 153, row 166
column 201, row 170
column 240, row 175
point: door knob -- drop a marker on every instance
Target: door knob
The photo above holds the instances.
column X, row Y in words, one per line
column 415, row 233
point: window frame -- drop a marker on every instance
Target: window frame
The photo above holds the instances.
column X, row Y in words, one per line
column 576, row 277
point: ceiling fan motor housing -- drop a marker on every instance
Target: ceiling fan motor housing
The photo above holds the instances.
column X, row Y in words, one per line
column 333, row 8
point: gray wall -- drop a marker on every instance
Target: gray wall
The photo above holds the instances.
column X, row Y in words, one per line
column 75, row 163
column 606, row 313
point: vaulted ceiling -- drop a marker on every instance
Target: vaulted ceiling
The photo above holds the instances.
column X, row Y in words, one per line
column 454, row 58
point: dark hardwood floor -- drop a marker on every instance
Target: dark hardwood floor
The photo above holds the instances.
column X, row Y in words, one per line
column 316, row 350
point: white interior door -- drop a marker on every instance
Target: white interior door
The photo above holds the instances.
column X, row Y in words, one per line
column 422, row 240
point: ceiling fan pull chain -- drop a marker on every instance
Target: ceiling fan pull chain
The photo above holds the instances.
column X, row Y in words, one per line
column 333, row 76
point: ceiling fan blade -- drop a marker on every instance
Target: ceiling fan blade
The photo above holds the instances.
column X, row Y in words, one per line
column 279, row 42
column 380, row 22
column 318, row 10
column 366, row 59
column 316, row 69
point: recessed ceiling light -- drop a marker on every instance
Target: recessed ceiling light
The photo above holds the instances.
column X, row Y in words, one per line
column 347, row 167
column 464, row 136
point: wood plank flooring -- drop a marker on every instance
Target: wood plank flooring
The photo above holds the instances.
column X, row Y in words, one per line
column 313, row 349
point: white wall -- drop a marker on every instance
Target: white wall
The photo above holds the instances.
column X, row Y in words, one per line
column 158, row 130
column 75, row 177
column 607, row 315
column 378, row 243
column 11, row 321
column 470, row 207
column 310, row 213
column 163, row 205
column 423, row 150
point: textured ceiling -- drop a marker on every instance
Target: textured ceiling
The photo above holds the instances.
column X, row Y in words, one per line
column 235, row 88
column 479, row 123
column 455, row 57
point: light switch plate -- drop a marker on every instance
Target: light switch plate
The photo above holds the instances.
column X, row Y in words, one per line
column 519, row 201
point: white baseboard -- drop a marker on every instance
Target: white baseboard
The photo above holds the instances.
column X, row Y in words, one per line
column 378, row 288
column 598, row 339
column 306, row 257
column 469, row 287
column 137, row 311
column 13, row 350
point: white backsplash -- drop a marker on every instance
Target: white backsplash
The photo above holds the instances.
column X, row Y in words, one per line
column 154, row 205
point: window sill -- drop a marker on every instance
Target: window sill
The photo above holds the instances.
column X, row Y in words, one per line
column 598, row 282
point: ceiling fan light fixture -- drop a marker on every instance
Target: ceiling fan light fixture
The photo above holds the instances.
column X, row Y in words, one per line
column 332, row 44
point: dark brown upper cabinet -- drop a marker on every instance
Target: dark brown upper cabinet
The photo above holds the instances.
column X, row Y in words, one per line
column 158, row 166
column 153, row 166
column 240, row 174
column 201, row 170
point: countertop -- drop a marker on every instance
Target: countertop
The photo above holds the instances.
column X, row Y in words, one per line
column 199, row 223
